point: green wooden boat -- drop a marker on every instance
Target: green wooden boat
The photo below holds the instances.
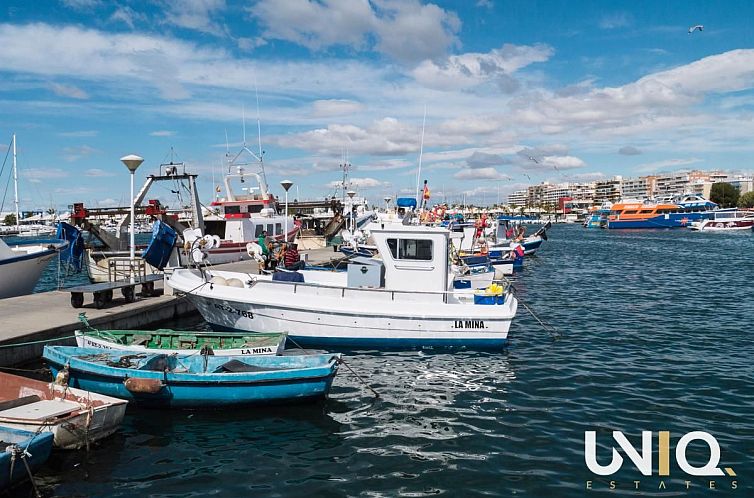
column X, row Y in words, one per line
column 169, row 341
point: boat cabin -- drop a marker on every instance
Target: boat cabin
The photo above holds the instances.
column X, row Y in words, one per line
column 415, row 257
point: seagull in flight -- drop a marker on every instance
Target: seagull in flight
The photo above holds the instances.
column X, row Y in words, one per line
column 532, row 158
column 694, row 28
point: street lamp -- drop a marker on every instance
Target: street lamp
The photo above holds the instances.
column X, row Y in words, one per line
column 132, row 162
column 387, row 203
column 286, row 184
column 350, row 194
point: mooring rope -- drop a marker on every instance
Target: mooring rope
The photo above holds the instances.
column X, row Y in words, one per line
column 340, row 360
column 554, row 333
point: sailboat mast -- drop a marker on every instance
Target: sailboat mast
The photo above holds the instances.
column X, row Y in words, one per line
column 15, row 183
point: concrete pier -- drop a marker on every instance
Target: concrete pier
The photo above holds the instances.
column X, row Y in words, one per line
column 49, row 315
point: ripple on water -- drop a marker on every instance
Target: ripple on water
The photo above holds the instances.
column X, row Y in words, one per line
column 656, row 336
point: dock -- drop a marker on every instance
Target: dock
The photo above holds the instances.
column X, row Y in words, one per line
column 38, row 319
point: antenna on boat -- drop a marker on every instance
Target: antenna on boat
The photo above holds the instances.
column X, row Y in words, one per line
column 243, row 118
column 421, row 150
column 15, row 184
column 259, row 121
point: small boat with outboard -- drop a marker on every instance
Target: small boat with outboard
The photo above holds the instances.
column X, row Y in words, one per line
column 195, row 380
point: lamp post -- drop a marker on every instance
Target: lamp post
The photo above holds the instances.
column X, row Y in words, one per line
column 286, row 184
column 132, row 162
column 387, row 203
column 351, row 193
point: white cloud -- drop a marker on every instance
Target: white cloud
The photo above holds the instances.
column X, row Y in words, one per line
column 629, row 150
column 470, row 69
column 43, row 174
column 128, row 16
column 78, row 134
column 249, row 44
column 71, row 154
column 387, row 136
column 68, row 91
column 479, row 174
column 81, row 4
column 616, row 20
column 362, row 183
column 96, row 172
column 665, row 165
column 335, row 107
column 196, row 15
column 562, row 162
column 403, row 29
column 162, row 133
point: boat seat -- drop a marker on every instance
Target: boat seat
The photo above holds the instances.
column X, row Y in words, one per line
column 139, row 339
column 25, row 400
column 235, row 366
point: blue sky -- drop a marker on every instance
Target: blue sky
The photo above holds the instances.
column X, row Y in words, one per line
column 588, row 89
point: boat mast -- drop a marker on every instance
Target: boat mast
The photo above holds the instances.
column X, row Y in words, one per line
column 15, row 184
column 421, row 149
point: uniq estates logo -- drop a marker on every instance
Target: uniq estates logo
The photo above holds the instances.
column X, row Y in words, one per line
column 642, row 460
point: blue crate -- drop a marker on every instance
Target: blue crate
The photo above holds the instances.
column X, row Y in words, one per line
column 462, row 284
column 486, row 299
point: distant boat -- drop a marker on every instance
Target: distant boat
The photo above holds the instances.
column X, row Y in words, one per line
column 16, row 444
column 726, row 220
column 75, row 417
column 195, row 380
column 22, row 264
column 679, row 211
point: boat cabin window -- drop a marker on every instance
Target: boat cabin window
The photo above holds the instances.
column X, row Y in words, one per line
column 645, row 211
column 255, row 208
column 258, row 229
column 269, row 230
column 631, row 211
column 278, row 228
column 410, row 249
column 232, row 209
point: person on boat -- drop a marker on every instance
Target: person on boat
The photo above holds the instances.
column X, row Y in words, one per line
column 509, row 232
column 521, row 233
column 262, row 242
column 289, row 257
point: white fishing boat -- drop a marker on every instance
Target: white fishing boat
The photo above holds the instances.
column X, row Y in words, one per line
column 725, row 220
column 22, row 264
column 75, row 417
column 404, row 300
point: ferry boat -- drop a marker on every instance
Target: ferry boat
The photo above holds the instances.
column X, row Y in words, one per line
column 681, row 212
column 598, row 216
column 724, row 220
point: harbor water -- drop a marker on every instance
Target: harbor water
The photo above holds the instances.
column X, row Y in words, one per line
column 655, row 335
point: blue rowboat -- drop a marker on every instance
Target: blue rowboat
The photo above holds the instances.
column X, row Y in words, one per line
column 194, row 380
column 15, row 447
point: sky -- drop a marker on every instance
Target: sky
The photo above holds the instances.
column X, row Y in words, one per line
column 487, row 96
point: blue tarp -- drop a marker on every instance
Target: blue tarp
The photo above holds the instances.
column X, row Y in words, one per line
column 287, row 276
column 405, row 202
column 74, row 253
column 160, row 247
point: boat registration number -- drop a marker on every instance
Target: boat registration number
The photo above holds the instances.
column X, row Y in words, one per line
column 234, row 311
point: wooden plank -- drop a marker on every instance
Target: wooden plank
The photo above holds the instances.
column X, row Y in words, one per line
column 42, row 410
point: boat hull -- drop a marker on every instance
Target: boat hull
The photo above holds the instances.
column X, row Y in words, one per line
column 198, row 390
column 672, row 220
column 86, row 340
column 19, row 275
column 314, row 315
column 38, row 447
